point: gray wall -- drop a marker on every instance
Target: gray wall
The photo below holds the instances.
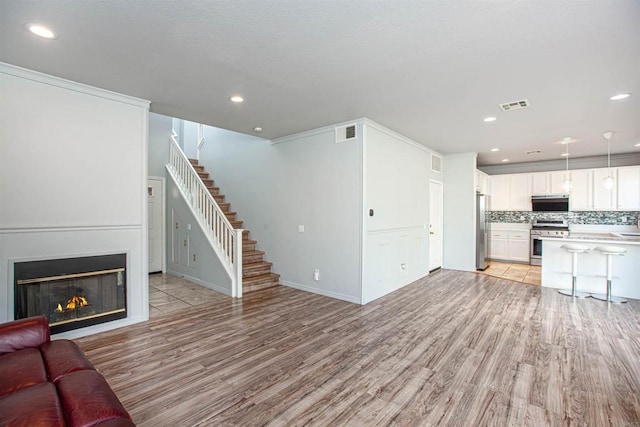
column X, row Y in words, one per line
column 629, row 159
column 158, row 152
column 459, row 212
column 306, row 180
column 185, row 239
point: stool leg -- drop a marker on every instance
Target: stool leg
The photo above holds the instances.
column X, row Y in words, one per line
column 574, row 280
column 608, row 297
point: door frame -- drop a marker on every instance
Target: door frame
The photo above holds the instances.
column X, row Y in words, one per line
column 441, row 202
column 163, row 222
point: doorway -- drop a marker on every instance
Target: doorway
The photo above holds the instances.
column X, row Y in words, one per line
column 155, row 211
column 435, row 224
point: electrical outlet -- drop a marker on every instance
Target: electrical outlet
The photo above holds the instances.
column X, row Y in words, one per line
column 316, row 274
column 301, row 229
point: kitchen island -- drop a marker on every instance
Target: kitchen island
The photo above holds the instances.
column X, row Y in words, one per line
column 556, row 264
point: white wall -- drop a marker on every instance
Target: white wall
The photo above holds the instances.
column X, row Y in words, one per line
column 459, row 212
column 306, row 179
column 396, row 182
column 73, row 172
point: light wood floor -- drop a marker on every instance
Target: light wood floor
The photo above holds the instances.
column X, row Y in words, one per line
column 524, row 273
column 453, row 349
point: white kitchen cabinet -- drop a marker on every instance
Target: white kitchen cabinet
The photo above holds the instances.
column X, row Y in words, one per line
column 518, row 244
column 540, row 183
column 482, row 182
column 498, row 245
column 511, row 192
column 543, row 183
column 628, row 188
column 603, row 199
column 499, row 193
column 556, row 182
column 520, row 192
column 581, row 196
column 509, row 245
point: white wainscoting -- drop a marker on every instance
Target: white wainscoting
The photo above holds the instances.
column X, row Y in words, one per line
column 395, row 258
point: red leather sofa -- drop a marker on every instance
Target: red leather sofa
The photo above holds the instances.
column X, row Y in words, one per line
column 51, row 383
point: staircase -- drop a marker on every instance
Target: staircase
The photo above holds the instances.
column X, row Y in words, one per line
column 256, row 272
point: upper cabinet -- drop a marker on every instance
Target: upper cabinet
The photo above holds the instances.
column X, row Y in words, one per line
column 511, row 192
column 628, row 187
column 604, row 199
column 482, row 182
column 581, row 194
column 548, row 182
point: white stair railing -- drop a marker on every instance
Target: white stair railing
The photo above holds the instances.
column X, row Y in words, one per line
column 225, row 240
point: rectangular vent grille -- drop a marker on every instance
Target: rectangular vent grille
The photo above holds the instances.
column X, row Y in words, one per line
column 345, row 133
column 436, row 164
column 515, row 105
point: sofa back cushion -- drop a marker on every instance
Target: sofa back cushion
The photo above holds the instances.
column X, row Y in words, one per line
column 21, row 369
column 23, row 333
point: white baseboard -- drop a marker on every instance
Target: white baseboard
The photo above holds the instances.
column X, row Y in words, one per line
column 322, row 292
column 197, row 281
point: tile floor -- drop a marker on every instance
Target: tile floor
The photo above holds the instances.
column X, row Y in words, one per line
column 524, row 273
column 168, row 293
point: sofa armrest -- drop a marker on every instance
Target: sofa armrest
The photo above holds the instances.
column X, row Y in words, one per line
column 23, row 333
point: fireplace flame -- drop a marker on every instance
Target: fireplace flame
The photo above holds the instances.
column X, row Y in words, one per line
column 73, row 303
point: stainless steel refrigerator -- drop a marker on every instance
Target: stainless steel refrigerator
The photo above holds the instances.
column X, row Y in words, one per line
column 482, row 231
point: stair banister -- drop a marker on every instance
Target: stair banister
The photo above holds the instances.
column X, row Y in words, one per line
column 225, row 240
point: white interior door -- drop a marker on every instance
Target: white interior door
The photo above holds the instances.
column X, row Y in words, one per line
column 156, row 229
column 435, row 225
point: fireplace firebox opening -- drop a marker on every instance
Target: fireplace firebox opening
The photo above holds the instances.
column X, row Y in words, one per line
column 72, row 292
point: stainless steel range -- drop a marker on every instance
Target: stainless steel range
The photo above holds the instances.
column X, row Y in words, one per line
column 545, row 228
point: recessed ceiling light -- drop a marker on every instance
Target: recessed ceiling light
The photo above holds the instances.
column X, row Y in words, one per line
column 236, row 98
column 564, row 154
column 637, row 145
column 41, row 31
column 620, row 96
column 567, row 140
column 505, row 160
column 489, row 119
column 495, row 149
column 257, row 129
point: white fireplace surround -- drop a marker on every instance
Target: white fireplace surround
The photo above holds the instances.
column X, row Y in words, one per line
column 73, row 179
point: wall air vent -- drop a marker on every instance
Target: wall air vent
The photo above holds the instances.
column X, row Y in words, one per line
column 345, row 133
column 515, row 105
column 533, row 152
column 436, row 163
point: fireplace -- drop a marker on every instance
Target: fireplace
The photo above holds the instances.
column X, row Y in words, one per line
column 72, row 292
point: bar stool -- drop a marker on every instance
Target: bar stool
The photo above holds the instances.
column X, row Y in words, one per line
column 610, row 252
column 574, row 249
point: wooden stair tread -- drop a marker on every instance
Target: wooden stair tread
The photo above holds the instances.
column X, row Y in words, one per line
column 262, row 278
column 256, row 273
column 254, row 288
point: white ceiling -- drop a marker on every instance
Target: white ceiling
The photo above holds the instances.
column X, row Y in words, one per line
column 429, row 70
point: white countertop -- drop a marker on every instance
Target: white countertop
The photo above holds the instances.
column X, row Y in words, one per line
column 615, row 238
column 496, row 226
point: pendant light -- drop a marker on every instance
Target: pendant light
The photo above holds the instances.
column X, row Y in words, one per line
column 609, row 180
column 567, row 184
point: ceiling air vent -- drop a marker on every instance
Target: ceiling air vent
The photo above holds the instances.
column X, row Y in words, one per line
column 436, row 164
column 533, row 152
column 515, row 105
column 345, row 133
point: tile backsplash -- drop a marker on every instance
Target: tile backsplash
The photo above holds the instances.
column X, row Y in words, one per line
column 578, row 217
